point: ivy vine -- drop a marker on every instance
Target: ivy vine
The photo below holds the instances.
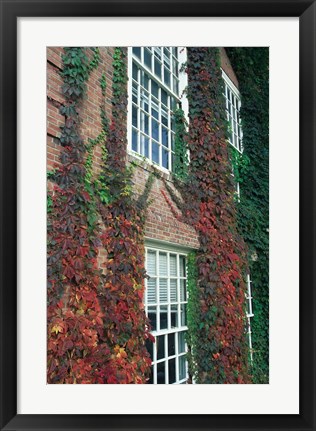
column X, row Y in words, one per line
column 252, row 69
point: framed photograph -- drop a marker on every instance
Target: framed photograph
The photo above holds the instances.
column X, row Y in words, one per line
column 157, row 223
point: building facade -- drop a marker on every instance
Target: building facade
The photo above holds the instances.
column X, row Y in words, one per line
column 156, row 90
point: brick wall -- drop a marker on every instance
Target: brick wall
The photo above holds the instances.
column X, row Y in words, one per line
column 227, row 67
column 162, row 224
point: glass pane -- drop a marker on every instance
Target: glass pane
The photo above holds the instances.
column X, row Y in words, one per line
column 171, row 345
column 144, row 146
column 182, row 367
column 152, row 316
column 145, row 123
column 154, row 88
column 175, row 85
column 145, row 80
column 164, row 97
column 172, row 141
column 134, row 116
column 157, row 68
column 173, row 265
column 167, row 77
column 163, row 290
column 151, row 262
column 160, row 345
column 183, row 290
column 150, row 348
column 134, row 92
column 135, row 72
column 155, row 152
column 134, row 140
column 157, row 51
column 182, row 266
column 163, row 317
column 163, row 270
column 161, row 373
column 173, row 290
column 165, row 158
column 172, row 370
column 165, row 140
column 181, row 342
column 164, row 117
column 175, row 66
column 151, row 291
column 155, row 129
column 174, row 316
column 147, row 58
column 183, row 314
column 136, row 51
column 175, row 51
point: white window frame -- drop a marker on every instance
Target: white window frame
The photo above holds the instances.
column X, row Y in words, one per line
column 249, row 315
column 181, row 98
column 228, row 83
column 163, row 333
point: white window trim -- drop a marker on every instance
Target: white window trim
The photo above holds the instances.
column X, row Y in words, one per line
column 249, row 316
column 236, row 92
column 183, row 82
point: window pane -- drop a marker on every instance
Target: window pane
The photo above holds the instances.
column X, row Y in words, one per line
column 155, row 129
column 167, row 77
column 157, row 68
column 164, row 97
column 135, row 72
column 165, row 140
column 155, row 152
column 161, row 373
column 134, row 115
column 174, row 316
column 163, row 317
column 183, row 293
column 154, row 89
column 152, row 316
column 173, row 290
column 182, row 266
column 163, row 290
column 165, row 158
column 172, row 370
column 171, row 345
column 181, row 342
column 145, row 80
column 147, row 58
column 160, row 343
column 144, row 123
column 151, row 291
column 134, row 140
column 144, row 146
column 151, row 262
column 182, row 367
column 136, row 51
column 183, row 314
column 163, row 270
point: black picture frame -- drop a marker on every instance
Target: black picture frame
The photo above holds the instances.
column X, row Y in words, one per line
column 10, row 11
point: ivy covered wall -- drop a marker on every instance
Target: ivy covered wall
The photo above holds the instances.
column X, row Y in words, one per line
column 96, row 323
column 251, row 66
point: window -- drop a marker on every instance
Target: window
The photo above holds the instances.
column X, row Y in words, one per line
column 154, row 95
column 249, row 315
column 166, row 302
column 232, row 99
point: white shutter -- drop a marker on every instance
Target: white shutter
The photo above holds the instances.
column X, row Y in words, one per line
column 163, row 290
column 173, row 290
column 151, row 291
column 151, row 263
column 173, row 265
column 163, row 269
